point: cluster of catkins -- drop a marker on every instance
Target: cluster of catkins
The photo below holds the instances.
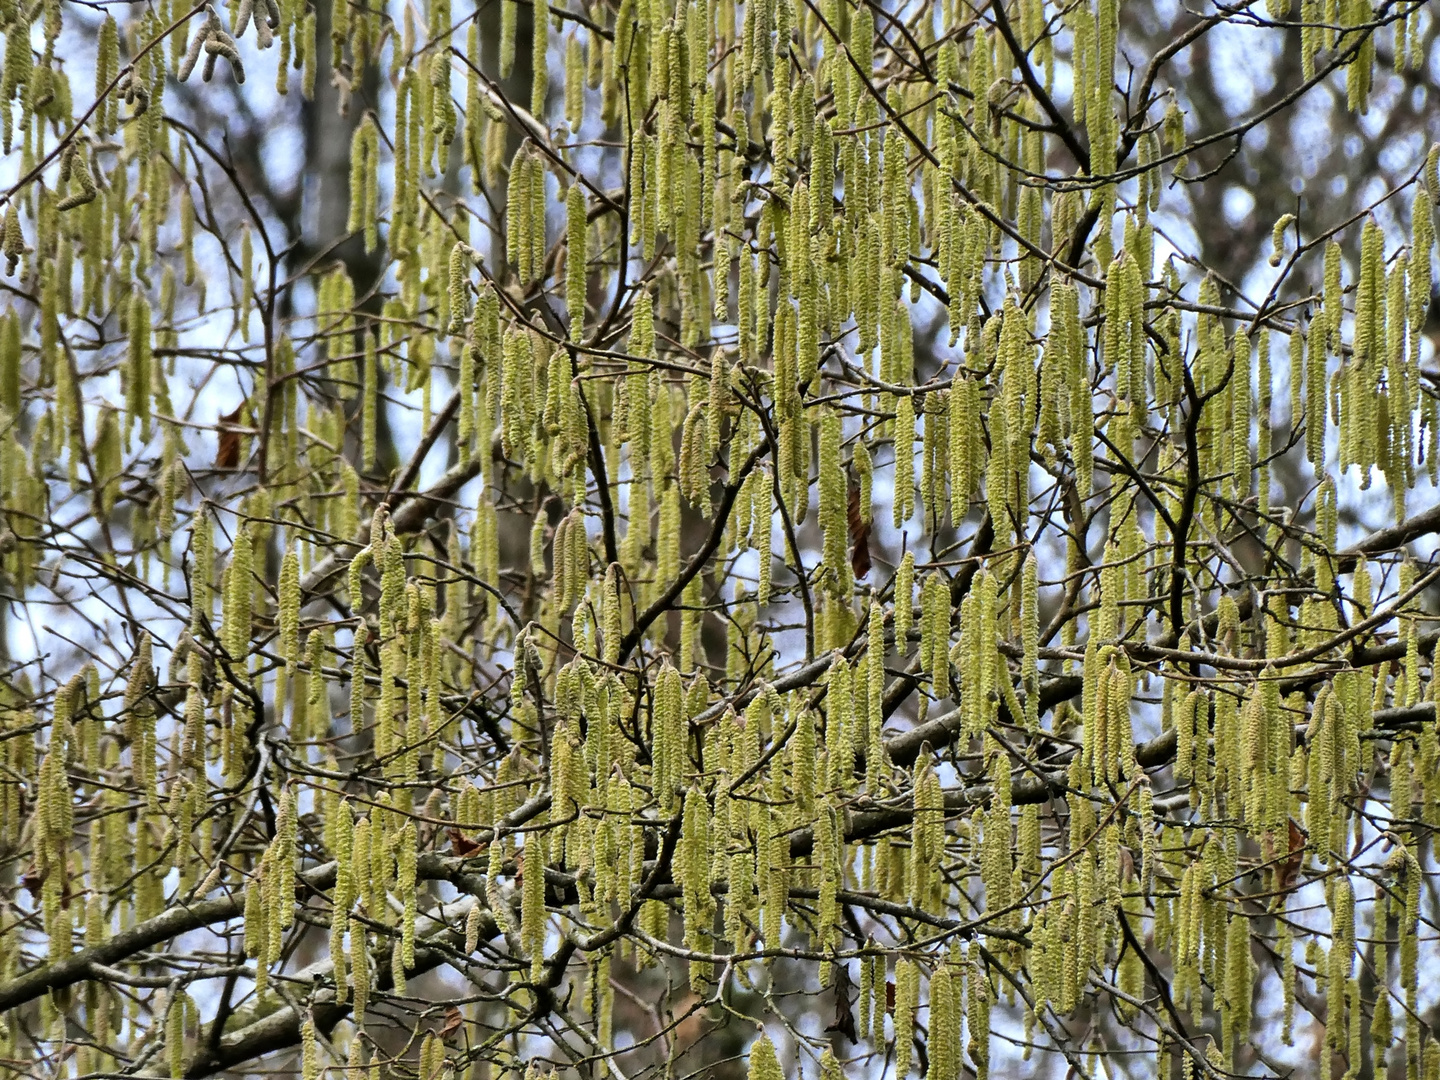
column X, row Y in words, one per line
column 649, row 395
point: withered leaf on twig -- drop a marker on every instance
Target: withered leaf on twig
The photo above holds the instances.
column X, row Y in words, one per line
column 1294, row 859
column 228, row 454
column 859, row 536
column 844, row 1021
column 462, row 845
column 453, row 1019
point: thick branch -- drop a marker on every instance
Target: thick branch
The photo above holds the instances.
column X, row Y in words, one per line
column 185, row 917
column 415, row 508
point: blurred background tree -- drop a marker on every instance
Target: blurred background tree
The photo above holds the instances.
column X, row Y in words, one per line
column 707, row 538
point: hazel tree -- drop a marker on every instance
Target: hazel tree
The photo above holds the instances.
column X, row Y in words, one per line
column 684, row 537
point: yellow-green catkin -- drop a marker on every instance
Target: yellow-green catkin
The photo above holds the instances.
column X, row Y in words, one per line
column 764, row 1065
column 525, row 213
column 509, row 25
column 694, row 868
column 875, row 665
column 289, row 614
column 575, row 82
column 764, row 515
column 202, row 573
column 1030, row 639
column 237, row 600
column 927, row 838
column 668, row 737
column 904, row 502
column 575, row 260
column 907, row 999
column 10, row 363
column 175, row 1034
column 365, row 182
column 247, row 281
column 532, row 905
column 1277, row 238
column 540, row 64
column 833, row 523
column 904, row 609
column 944, row 1028
column 935, row 633
column 370, row 408
column 840, row 724
column 138, row 375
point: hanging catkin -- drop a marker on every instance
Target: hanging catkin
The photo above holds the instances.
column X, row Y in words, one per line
column 907, row 994
column 289, row 616
column 575, row 260
column 904, row 503
column 606, row 668
column 904, row 611
column 833, row 520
